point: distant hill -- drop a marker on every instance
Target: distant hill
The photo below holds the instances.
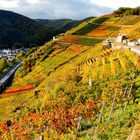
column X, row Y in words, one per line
column 62, row 25
column 17, row 30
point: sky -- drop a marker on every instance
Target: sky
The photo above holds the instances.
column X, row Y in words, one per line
column 56, row 9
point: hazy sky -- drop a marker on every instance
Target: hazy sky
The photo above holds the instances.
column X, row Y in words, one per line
column 75, row 9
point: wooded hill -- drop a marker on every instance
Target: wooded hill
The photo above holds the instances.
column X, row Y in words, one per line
column 61, row 25
column 17, row 30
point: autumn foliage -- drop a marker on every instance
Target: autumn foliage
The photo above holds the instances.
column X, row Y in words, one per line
column 99, row 32
column 60, row 119
column 19, row 89
column 76, row 48
column 70, row 38
column 55, row 52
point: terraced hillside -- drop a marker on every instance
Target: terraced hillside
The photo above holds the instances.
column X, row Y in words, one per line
column 80, row 91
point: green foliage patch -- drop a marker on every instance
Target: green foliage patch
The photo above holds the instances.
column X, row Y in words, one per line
column 88, row 41
column 100, row 20
column 86, row 29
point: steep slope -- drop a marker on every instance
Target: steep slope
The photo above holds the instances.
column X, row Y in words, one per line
column 73, row 78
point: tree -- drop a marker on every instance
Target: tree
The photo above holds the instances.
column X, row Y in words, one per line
column 16, row 46
column 3, row 63
column 135, row 11
column 20, row 55
column 121, row 10
column 128, row 11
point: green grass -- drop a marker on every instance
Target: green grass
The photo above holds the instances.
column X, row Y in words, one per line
column 88, row 41
column 86, row 29
column 100, row 20
column 48, row 65
column 112, row 20
column 10, row 102
column 112, row 28
column 120, row 127
column 73, row 30
column 116, row 128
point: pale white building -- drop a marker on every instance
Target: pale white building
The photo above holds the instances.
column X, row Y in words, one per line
column 54, row 38
column 120, row 38
column 131, row 44
column 7, row 52
column 139, row 41
column 125, row 41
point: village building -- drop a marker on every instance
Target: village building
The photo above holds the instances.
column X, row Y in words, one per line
column 125, row 41
column 120, row 38
column 131, row 44
column 54, row 38
column 107, row 45
column 139, row 41
column 9, row 53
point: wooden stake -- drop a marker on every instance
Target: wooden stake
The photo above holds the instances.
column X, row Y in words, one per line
column 118, row 112
column 112, row 106
column 79, row 119
column 129, row 93
column 100, row 116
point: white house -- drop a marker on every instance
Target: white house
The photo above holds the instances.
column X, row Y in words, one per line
column 7, row 52
column 54, row 38
column 131, row 44
column 139, row 41
column 120, row 38
column 125, row 41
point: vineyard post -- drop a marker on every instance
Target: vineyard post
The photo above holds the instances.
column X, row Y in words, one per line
column 100, row 116
column 90, row 82
column 79, row 119
column 128, row 97
column 112, row 106
column 122, row 98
